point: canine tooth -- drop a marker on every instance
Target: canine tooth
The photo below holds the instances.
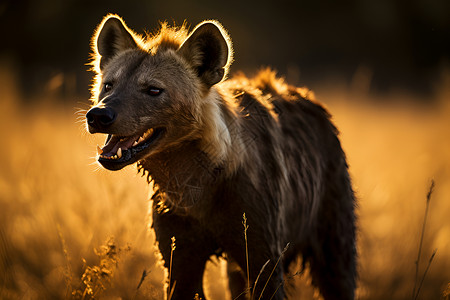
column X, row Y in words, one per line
column 119, row 153
column 135, row 143
column 99, row 150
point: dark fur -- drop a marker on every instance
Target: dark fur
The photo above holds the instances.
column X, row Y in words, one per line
column 284, row 169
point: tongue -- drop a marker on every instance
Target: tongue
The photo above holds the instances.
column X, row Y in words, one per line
column 116, row 142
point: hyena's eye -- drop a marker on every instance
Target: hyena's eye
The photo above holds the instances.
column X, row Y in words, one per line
column 107, row 87
column 154, row 91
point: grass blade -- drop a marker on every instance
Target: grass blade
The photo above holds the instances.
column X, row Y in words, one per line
column 425, row 273
column 257, row 278
column 244, row 222
column 430, row 192
column 273, row 270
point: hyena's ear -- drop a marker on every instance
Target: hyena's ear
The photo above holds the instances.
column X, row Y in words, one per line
column 113, row 37
column 208, row 50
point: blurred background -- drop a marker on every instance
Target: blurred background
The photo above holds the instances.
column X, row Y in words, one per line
column 69, row 229
column 398, row 44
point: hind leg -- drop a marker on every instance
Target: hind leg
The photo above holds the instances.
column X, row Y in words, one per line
column 332, row 259
column 334, row 274
column 236, row 280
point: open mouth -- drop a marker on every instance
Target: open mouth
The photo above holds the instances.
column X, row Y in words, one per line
column 120, row 151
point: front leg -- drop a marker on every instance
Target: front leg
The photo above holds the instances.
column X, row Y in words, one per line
column 266, row 280
column 192, row 250
column 269, row 285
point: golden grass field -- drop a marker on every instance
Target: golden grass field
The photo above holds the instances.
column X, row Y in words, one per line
column 69, row 229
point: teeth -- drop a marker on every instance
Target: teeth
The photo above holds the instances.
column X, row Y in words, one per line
column 144, row 136
column 148, row 133
column 117, row 156
column 119, row 153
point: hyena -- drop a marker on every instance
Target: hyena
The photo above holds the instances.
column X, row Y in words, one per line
column 216, row 148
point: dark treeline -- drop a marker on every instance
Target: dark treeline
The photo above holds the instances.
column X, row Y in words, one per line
column 400, row 44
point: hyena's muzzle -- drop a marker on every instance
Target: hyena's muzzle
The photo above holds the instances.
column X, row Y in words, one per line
column 119, row 150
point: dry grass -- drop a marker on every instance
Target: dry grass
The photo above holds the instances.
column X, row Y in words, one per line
column 57, row 206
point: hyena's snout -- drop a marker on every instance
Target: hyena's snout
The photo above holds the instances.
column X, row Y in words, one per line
column 99, row 119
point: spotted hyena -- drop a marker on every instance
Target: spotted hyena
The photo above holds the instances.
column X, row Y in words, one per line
column 217, row 148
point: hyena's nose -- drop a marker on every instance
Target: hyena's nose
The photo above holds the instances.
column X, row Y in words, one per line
column 100, row 118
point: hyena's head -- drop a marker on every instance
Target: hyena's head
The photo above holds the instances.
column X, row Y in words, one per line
column 151, row 94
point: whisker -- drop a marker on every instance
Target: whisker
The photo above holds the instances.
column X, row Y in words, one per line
column 83, row 103
column 79, row 109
